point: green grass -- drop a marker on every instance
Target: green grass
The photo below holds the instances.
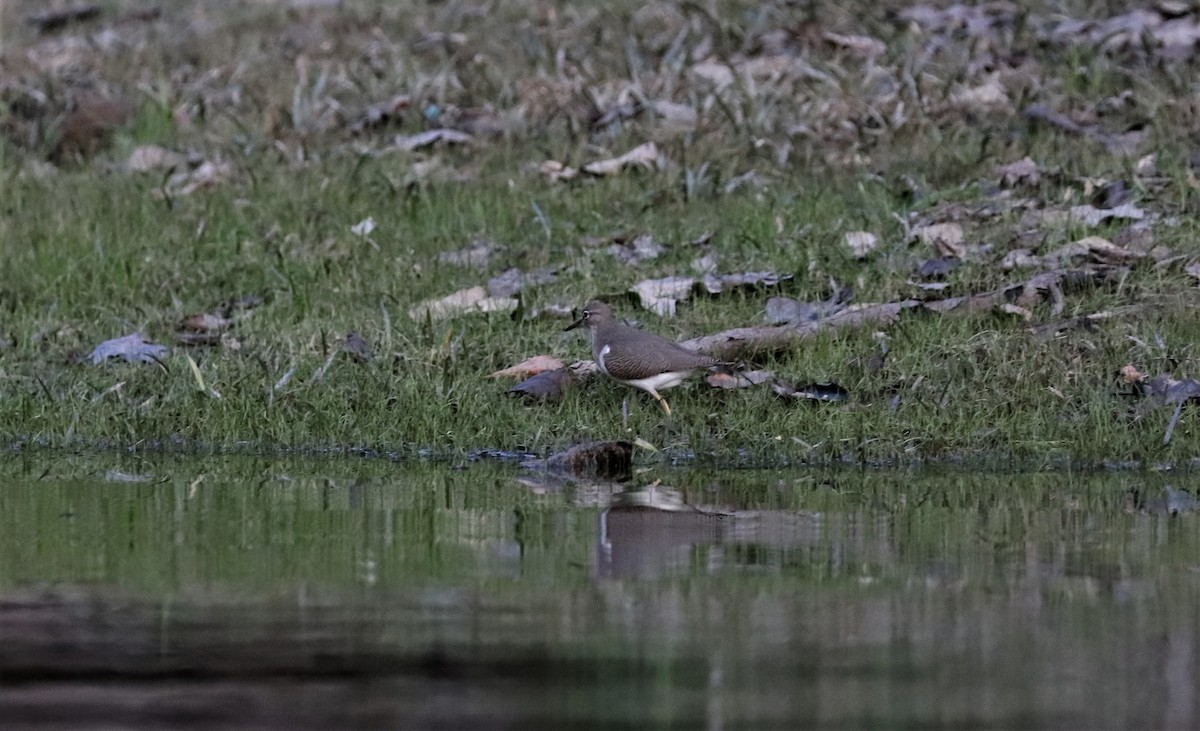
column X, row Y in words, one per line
column 91, row 253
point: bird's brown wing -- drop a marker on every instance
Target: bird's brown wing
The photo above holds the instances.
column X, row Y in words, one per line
column 647, row 353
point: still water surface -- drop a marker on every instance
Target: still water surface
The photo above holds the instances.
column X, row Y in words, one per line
column 252, row 594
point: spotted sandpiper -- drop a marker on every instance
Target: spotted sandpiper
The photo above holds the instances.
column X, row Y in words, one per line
column 635, row 357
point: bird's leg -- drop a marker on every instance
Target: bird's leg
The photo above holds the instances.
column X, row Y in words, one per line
column 625, row 413
column 666, row 407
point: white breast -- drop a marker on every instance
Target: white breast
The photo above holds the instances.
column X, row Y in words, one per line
column 600, row 360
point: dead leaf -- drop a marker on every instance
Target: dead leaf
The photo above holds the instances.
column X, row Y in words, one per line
column 377, row 115
column 471, row 299
column 939, row 267
column 945, row 238
column 738, row 379
column 432, row 137
column 134, row 348
column 861, row 243
column 151, row 158
column 557, row 171
column 357, row 348
column 1010, row 309
column 529, row 367
column 548, row 386
column 751, row 179
column 511, row 281
column 862, row 46
column 212, row 327
column 782, row 310
column 1020, row 259
column 643, row 156
column 821, row 392
column 1091, row 248
column 641, row 248
column 716, row 73
column 206, row 322
column 208, row 175
column 364, row 227
column 1023, row 172
column 674, row 116
column 985, row 97
column 661, row 295
column 475, row 256
column 89, row 126
column 706, row 264
column 717, row 283
column 1146, row 166
column 1111, row 194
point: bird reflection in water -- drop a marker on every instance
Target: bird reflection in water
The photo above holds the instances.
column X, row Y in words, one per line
column 651, row 531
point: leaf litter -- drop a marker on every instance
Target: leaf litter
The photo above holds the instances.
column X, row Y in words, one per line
column 813, row 91
column 132, row 348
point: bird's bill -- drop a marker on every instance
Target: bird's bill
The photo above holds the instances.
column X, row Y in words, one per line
column 574, row 325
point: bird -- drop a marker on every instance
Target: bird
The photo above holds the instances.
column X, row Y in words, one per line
column 638, row 358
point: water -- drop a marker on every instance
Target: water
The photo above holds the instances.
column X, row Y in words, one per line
column 256, row 594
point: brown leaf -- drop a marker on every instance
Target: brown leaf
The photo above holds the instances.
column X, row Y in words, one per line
column 206, row 322
column 1091, row 248
column 529, row 367
column 739, row 379
column 1011, row 309
column 945, row 238
column 90, row 125
column 1023, row 172
column 556, row 171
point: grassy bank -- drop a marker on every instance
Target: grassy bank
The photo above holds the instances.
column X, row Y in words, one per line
column 94, row 251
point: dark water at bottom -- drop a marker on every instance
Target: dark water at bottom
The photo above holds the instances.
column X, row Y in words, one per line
column 303, row 595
